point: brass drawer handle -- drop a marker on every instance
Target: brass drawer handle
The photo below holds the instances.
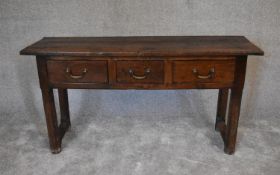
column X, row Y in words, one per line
column 69, row 73
column 139, row 77
column 209, row 76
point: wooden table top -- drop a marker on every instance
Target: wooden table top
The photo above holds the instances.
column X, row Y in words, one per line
column 144, row 46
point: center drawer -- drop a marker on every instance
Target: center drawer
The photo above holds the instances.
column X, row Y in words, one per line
column 143, row 71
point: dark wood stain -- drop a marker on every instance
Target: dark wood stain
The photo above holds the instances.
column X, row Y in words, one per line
column 206, row 62
column 144, row 46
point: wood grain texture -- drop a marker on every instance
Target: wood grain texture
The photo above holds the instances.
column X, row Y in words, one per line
column 144, row 46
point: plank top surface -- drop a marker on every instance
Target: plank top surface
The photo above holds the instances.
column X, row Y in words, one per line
column 143, row 46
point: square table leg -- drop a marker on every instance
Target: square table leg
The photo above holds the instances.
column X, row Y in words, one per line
column 64, row 109
column 232, row 122
column 51, row 120
column 54, row 132
column 221, row 109
column 230, row 132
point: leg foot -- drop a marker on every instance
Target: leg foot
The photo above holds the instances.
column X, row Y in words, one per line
column 229, row 151
column 56, row 151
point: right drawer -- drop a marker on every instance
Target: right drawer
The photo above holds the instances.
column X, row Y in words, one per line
column 204, row 71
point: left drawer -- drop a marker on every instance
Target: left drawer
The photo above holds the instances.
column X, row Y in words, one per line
column 77, row 71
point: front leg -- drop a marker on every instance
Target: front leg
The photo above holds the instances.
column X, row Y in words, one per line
column 233, row 117
column 49, row 106
column 51, row 119
column 234, row 105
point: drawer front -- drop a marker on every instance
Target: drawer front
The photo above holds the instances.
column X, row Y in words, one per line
column 143, row 71
column 77, row 71
column 221, row 71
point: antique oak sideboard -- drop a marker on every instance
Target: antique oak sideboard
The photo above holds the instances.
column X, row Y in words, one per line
column 150, row 62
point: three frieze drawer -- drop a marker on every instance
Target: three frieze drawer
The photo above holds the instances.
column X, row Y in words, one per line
column 221, row 71
column 95, row 72
column 141, row 71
